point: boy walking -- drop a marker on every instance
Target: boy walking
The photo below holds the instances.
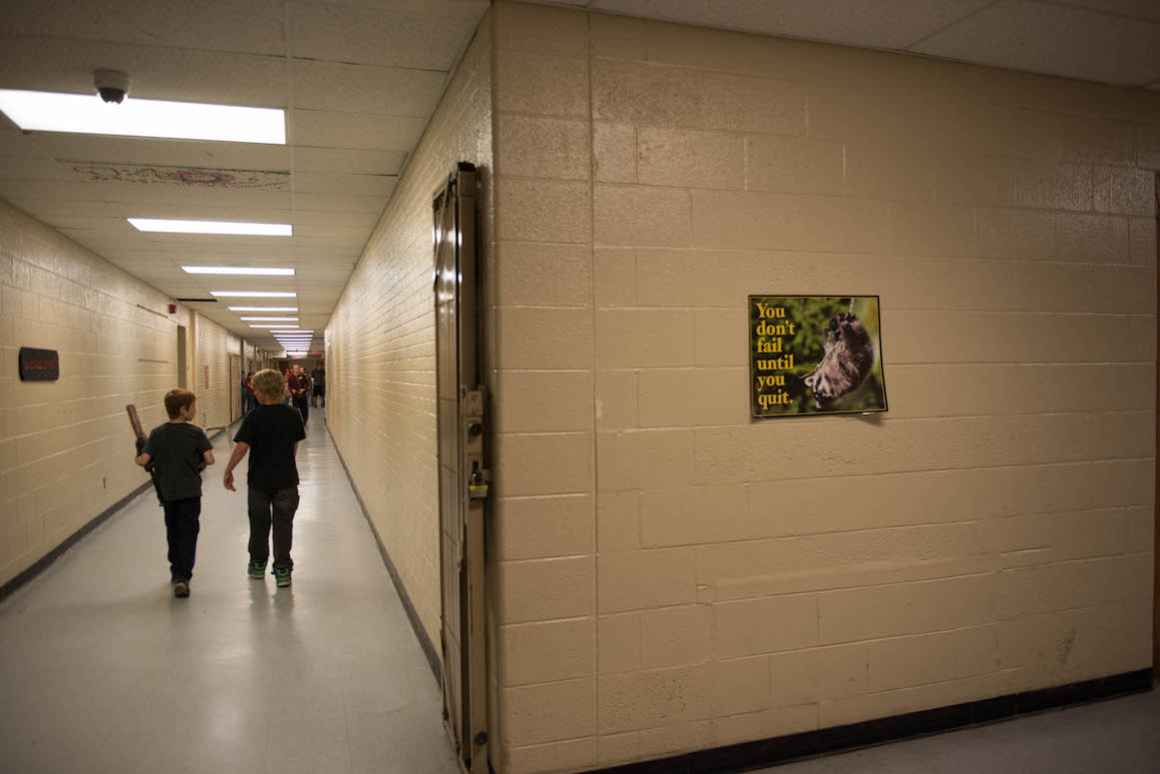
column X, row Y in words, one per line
column 270, row 434
column 176, row 453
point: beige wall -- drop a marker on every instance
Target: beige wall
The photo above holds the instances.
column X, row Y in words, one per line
column 674, row 576
column 213, row 383
column 66, row 450
column 380, row 342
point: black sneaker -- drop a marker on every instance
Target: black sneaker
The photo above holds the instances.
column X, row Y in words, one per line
column 181, row 589
column 256, row 571
column 281, row 578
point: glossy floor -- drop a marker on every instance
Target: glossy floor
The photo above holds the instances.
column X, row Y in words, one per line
column 1120, row 736
column 103, row 671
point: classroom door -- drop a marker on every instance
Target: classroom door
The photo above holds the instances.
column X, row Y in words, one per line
column 463, row 478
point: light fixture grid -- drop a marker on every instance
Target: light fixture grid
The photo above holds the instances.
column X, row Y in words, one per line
column 42, row 111
column 211, row 227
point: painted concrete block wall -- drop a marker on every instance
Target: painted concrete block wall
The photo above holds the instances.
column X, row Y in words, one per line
column 66, row 450
column 214, row 387
column 380, row 341
column 675, row 577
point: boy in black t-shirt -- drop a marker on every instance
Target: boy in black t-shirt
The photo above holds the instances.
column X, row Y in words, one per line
column 177, row 452
column 270, row 434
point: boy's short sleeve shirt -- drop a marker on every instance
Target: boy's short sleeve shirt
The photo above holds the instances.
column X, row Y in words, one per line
column 271, row 432
column 176, row 450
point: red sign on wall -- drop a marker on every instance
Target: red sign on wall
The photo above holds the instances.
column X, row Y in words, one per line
column 39, row 365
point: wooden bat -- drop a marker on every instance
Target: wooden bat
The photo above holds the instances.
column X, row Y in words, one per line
column 135, row 421
column 139, row 432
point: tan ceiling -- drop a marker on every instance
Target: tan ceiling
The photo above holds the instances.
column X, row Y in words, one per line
column 1109, row 41
column 360, row 78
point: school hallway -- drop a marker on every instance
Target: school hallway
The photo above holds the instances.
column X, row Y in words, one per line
column 104, row 671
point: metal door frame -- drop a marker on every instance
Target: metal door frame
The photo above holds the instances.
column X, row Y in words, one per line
column 463, row 486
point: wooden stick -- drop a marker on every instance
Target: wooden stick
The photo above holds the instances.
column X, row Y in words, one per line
column 135, row 421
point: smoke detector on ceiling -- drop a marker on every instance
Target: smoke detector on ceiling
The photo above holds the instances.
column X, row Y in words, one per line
column 112, row 85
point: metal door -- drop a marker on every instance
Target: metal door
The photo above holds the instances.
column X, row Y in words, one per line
column 463, row 479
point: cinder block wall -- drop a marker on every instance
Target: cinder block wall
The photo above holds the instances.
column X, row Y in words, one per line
column 213, row 384
column 66, row 450
column 673, row 576
column 380, row 341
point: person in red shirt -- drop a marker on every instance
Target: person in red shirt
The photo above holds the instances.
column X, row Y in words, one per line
column 299, row 384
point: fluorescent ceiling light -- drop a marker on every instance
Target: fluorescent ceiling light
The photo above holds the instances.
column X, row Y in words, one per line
column 247, row 271
column 263, row 309
column 269, row 325
column 232, row 227
column 252, row 294
column 43, row 111
column 269, row 319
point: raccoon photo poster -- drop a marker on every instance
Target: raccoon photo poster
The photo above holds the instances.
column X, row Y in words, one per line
column 815, row 355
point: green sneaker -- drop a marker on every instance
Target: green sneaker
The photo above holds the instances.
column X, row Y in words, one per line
column 281, row 578
column 256, row 571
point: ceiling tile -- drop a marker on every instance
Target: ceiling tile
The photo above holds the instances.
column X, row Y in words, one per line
column 1056, row 40
column 1138, row 9
column 147, row 197
column 366, row 89
column 339, row 203
column 76, row 147
column 363, row 162
column 871, row 23
column 361, row 185
column 184, row 75
column 355, row 130
column 253, row 26
column 427, row 38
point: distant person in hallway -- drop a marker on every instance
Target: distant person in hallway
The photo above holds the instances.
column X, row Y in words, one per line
column 299, row 384
column 249, row 402
column 178, row 451
column 318, row 376
column 270, row 434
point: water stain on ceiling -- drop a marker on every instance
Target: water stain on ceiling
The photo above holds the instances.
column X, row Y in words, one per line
column 202, row 177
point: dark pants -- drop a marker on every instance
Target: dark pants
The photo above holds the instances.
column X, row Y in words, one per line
column 272, row 508
column 302, row 403
column 181, row 527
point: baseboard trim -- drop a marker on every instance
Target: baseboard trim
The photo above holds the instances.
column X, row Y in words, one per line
column 412, row 614
column 771, row 752
column 43, row 563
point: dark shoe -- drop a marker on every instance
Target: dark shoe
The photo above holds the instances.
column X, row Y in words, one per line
column 256, row 571
column 281, row 578
column 181, row 589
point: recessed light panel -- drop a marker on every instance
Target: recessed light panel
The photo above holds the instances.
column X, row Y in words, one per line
column 43, row 111
column 228, row 227
column 245, row 271
column 263, row 309
column 252, row 294
column 269, row 319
